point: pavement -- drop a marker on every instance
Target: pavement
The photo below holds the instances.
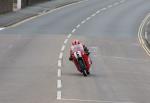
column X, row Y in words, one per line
column 11, row 18
column 34, row 65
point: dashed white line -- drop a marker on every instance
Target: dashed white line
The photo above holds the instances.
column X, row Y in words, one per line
column 63, row 48
column 110, row 6
column 2, row 28
column 59, row 73
column 122, row 1
column 61, row 55
column 58, row 95
column 65, row 42
column 59, row 84
column 115, row 4
column 93, row 15
column 103, row 9
column 97, row 12
column 59, row 63
column 78, row 26
column 83, row 22
column 73, row 30
column 69, row 36
column 88, row 18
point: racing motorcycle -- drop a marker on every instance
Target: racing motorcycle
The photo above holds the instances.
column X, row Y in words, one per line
column 82, row 62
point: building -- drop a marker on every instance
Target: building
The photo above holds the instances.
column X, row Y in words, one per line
column 6, row 6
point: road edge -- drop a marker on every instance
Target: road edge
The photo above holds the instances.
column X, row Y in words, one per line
column 142, row 35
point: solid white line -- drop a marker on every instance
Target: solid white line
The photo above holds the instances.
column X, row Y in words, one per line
column 65, row 42
column 59, row 84
column 58, row 95
column 78, row 26
column 69, row 36
column 73, row 30
column 63, row 48
column 59, row 63
column 83, row 22
column 2, row 28
column 61, row 55
column 59, row 73
column 96, row 101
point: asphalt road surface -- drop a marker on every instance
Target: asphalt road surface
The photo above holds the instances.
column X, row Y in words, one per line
column 32, row 53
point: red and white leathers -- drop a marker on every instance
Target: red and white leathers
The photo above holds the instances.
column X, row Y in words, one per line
column 77, row 46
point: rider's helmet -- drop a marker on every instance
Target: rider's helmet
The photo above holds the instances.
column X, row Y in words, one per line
column 75, row 42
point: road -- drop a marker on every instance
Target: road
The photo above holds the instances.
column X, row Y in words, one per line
column 31, row 54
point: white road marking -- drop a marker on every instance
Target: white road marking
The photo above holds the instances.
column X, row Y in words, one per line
column 96, row 101
column 63, row 48
column 61, row 55
column 73, row 30
column 59, row 73
column 115, row 4
column 88, row 18
column 146, row 36
column 69, row 36
column 122, row 1
column 93, row 15
column 59, row 84
column 97, row 12
column 65, row 42
column 58, row 95
column 103, row 9
column 2, row 28
column 110, row 6
column 83, row 22
column 59, row 63
column 78, row 26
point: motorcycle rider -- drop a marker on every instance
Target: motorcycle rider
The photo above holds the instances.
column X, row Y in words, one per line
column 78, row 44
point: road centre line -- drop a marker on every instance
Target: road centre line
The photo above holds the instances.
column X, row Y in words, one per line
column 63, row 48
column 73, row 30
column 110, row 6
column 59, row 85
column 69, row 36
column 65, row 42
column 59, row 73
column 58, row 95
column 88, row 18
column 60, row 55
column 78, row 26
column 59, row 63
column 97, row 12
column 93, row 15
column 83, row 22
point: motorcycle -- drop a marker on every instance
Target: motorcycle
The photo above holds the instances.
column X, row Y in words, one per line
column 82, row 62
